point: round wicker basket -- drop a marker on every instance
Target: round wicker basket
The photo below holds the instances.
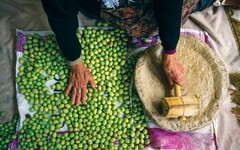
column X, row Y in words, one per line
column 205, row 76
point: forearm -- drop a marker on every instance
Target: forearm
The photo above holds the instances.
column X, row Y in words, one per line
column 168, row 17
column 62, row 17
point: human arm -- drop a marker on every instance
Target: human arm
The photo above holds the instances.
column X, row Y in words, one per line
column 168, row 17
column 62, row 17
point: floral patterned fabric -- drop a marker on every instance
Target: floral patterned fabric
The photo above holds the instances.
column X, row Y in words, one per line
column 137, row 18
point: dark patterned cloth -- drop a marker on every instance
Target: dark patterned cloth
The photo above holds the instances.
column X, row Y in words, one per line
column 137, row 18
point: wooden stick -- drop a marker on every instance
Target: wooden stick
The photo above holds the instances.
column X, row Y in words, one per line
column 177, row 90
column 178, row 93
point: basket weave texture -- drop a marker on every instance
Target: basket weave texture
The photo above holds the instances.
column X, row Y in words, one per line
column 205, row 76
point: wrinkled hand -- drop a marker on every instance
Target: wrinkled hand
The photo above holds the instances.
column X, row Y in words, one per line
column 174, row 70
column 79, row 78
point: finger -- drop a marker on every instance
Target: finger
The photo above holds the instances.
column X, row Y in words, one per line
column 74, row 92
column 78, row 98
column 78, row 84
column 183, row 70
column 84, row 95
column 170, row 83
column 92, row 83
column 179, row 80
column 179, row 83
column 66, row 93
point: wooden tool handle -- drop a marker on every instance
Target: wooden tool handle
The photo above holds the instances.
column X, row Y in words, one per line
column 178, row 93
column 177, row 90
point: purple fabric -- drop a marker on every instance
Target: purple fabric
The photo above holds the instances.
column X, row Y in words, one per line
column 141, row 43
column 200, row 36
column 164, row 140
column 22, row 39
column 13, row 144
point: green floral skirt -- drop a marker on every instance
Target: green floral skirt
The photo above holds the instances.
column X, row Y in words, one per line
column 137, row 18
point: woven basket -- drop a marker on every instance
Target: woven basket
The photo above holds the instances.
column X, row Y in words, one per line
column 205, row 76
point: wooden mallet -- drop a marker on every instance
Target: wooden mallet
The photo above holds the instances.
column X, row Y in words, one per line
column 179, row 106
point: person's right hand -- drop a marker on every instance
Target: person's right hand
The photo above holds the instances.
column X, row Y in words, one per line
column 174, row 70
column 79, row 78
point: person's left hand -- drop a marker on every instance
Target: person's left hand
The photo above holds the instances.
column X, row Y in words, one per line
column 79, row 78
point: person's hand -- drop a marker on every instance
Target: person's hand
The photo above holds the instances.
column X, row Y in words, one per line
column 174, row 70
column 79, row 78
